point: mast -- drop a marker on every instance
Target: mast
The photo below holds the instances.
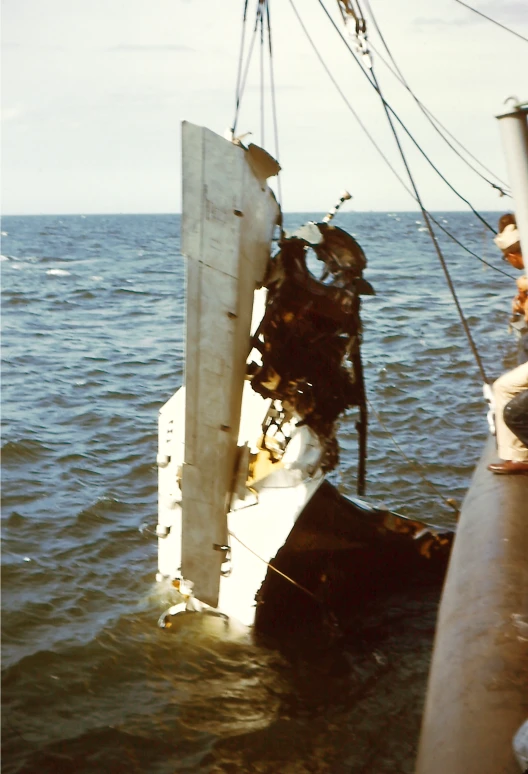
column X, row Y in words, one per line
column 514, row 134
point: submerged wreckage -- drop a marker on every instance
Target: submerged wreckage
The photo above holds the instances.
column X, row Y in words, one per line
column 272, row 359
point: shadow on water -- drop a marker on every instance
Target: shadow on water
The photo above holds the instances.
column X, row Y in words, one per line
column 330, row 682
column 303, row 699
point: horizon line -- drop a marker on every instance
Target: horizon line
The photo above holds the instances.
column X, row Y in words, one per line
column 288, row 212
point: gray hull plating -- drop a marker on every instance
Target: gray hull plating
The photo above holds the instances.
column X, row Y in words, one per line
column 478, row 685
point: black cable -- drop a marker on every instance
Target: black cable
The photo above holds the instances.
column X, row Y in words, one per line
column 239, row 71
column 274, row 104
column 373, row 83
column 388, row 111
column 433, row 239
column 486, row 263
column 383, row 156
column 242, row 86
column 435, row 123
column 346, row 101
column 492, row 20
column 262, row 139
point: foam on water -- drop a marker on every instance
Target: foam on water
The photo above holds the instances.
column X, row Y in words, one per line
column 58, row 273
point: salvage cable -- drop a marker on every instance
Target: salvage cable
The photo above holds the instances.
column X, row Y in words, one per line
column 279, row 572
column 388, row 110
column 262, row 140
column 482, row 260
column 241, row 79
column 492, row 20
column 274, row 108
column 242, row 74
column 327, row 616
column 379, row 150
column 387, row 107
column 435, row 123
column 433, row 239
column 239, row 70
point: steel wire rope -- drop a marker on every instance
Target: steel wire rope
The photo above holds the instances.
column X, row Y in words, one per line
column 387, row 108
column 274, row 108
column 381, row 153
column 241, row 84
column 279, row 572
column 262, row 139
column 239, row 69
column 433, row 120
column 438, row 125
column 492, row 20
column 460, row 244
column 346, row 101
column 434, row 241
column 388, row 111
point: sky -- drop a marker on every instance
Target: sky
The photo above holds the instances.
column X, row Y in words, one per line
column 94, row 93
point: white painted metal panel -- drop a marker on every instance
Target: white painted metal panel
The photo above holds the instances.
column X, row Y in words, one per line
column 227, row 224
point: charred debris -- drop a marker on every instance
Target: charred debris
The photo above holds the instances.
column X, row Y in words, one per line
column 310, row 337
column 309, row 341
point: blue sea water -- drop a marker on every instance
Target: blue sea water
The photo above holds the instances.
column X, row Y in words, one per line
column 92, row 316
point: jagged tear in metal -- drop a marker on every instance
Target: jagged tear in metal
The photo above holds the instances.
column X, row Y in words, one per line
column 310, row 336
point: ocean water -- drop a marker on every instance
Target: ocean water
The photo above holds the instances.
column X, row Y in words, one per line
column 92, row 316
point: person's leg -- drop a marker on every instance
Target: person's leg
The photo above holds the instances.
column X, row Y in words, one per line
column 505, row 388
column 516, row 416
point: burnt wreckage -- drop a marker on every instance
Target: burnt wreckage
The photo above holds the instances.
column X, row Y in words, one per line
column 310, row 337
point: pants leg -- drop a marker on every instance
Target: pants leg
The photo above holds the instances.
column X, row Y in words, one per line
column 510, row 384
column 516, row 416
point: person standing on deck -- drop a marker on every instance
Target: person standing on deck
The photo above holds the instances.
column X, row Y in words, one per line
column 507, row 240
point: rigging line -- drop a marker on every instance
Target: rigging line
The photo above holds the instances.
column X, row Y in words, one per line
column 279, row 572
column 239, row 70
column 246, row 70
column 412, row 463
column 262, row 140
column 433, row 239
column 435, row 123
column 274, row 107
column 347, row 103
column 492, row 20
column 460, row 244
column 387, row 107
column 431, row 118
column 374, row 143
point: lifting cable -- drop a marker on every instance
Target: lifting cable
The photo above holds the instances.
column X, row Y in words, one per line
column 492, row 20
column 239, row 69
column 434, row 239
column 279, row 572
column 373, row 82
column 241, row 79
column 262, row 10
column 379, row 150
column 274, row 107
column 262, row 140
column 482, row 260
column 435, row 123
column 425, row 215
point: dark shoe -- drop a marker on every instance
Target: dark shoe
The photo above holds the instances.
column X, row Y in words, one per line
column 507, row 467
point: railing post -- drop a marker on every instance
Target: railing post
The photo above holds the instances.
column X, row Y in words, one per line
column 514, row 133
